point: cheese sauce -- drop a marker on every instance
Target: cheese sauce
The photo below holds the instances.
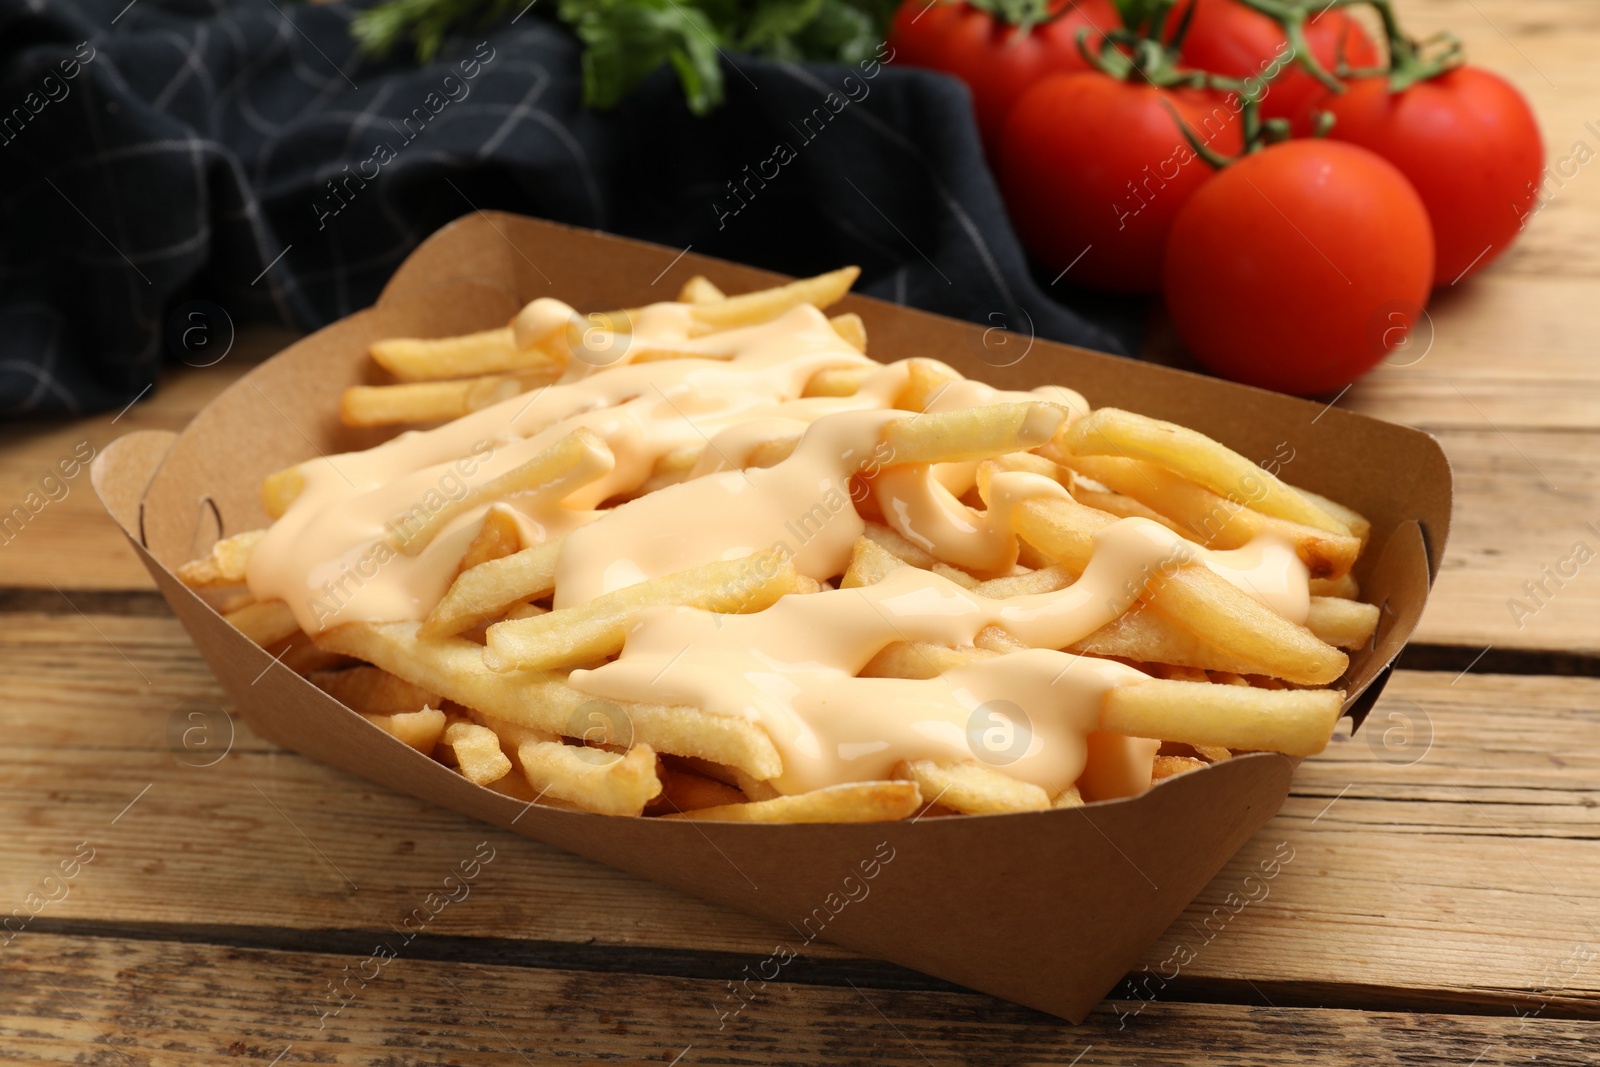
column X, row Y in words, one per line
column 791, row 667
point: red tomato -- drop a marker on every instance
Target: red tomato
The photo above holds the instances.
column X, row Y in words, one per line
column 1230, row 39
column 1470, row 145
column 995, row 61
column 1098, row 168
column 1299, row 266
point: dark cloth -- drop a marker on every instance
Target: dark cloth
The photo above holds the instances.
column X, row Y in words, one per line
column 165, row 159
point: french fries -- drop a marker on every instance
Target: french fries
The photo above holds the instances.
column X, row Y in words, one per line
column 572, row 636
column 850, row 802
column 489, row 352
column 473, row 647
column 388, row 405
column 1296, row 722
column 972, row 788
column 1109, row 431
column 225, row 566
column 484, row 591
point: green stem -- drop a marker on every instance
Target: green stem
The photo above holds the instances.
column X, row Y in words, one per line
column 1407, row 62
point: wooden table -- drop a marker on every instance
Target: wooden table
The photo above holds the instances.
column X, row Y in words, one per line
column 1442, row 905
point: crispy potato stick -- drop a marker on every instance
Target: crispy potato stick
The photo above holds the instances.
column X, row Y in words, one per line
column 995, row 639
column 453, row 667
column 1360, row 527
column 971, row 433
column 512, row 735
column 925, row 380
column 956, row 575
column 1148, row 636
column 1110, row 431
column 498, row 537
column 371, row 689
column 918, row 659
column 1069, row 798
column 225, row 565
column 280, row 489
column 870, row 563
column 1344, row 587
column 891, row 541
column 851, row 330
column 485, row 591
column 1213, row 753
column 765, row 304
column 700, row 290
column 1167, row 766
column 837, row 381
column 572, row 462
column 1296, row 722
column 1044, row 580
column 420, row 729
column 1243, row 626
column 851, row 802
column 489, row 352
column 746, row 309
column 1201, row 515
column 594, row 779
column 265, row 623
column 1123, row 507
column 1342, row 623
column 1234, row 621
column 387, row 405
column 1063, row 530
column 972, row 788
column 477, row 752
column 595, row 630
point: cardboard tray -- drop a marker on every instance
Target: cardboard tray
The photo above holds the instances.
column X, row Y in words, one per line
column 1048, row 909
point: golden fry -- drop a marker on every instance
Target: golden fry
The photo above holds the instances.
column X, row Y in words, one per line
column 225, row 565
column 1110, row 431
column 488, row 352
column 1296, row 722
column 587, row 632
column 972, row 788
column 851, row 802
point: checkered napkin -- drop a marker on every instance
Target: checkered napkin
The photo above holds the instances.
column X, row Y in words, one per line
column 173, row 169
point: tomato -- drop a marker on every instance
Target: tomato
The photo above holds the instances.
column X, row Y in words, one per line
column 997, row 63
column 1297, row 267
column 1095, row 167
column 1468, row 142
column 1230, row 39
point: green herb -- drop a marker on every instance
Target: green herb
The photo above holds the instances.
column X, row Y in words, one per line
column 625, row 40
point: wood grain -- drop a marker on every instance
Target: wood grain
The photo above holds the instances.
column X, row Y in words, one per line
column 108, row 1001
column 1446, row 861
column 1451, row 852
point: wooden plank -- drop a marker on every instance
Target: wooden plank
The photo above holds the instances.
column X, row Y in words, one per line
column 1462, row 865
column 1523, row 504
column 118, row 1001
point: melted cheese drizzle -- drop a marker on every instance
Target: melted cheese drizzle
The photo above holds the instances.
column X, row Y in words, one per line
column 791, row 667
